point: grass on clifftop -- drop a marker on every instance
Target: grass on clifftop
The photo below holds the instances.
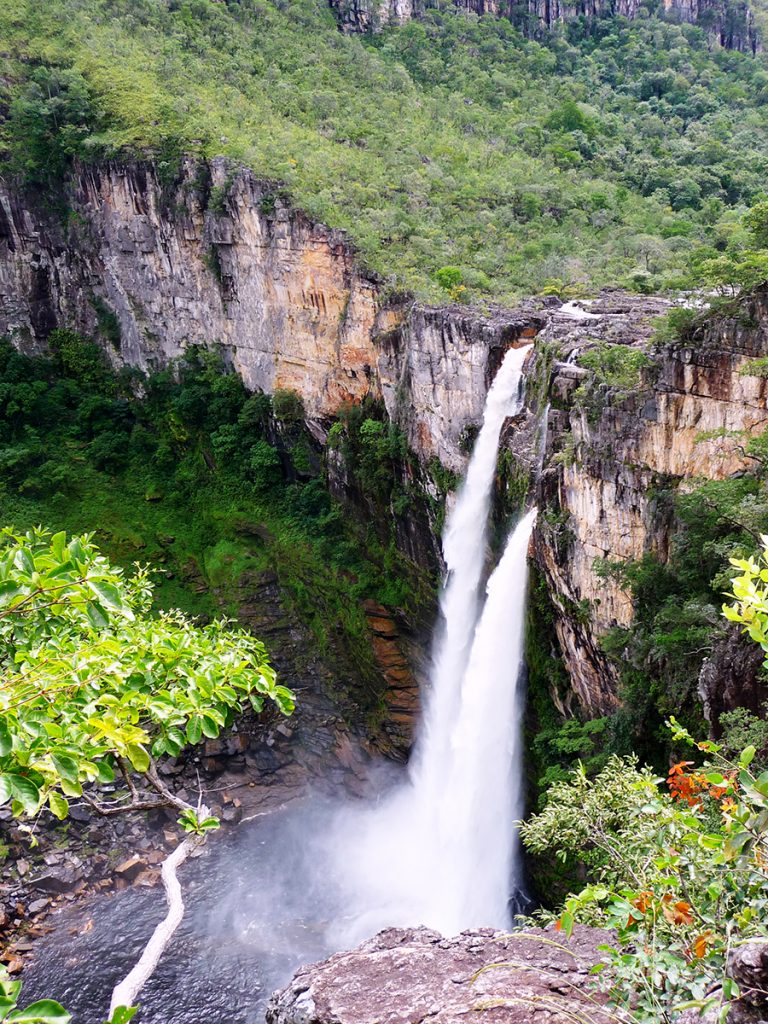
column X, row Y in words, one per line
column 464, row 161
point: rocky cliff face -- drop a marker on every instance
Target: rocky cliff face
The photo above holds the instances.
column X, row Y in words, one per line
column 607, row 465
column 730, row 23
column 221, row 258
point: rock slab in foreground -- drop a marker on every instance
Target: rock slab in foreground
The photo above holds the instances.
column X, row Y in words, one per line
column 406, row 976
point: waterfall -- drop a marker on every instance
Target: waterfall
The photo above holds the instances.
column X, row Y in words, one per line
column 441, row 849
column 464, row 550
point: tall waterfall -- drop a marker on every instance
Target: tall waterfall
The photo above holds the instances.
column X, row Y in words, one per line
column 440, row 851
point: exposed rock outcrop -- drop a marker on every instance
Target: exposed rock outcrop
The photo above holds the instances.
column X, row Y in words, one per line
column 729, row 23
column 732, row 677
column 407, row 975
column 613, row 461
column 222, row 258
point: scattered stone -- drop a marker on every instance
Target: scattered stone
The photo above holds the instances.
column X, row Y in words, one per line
column 37, row 905
column 231, row 814
column 59, row 879
column 147, row 878
column 131, row 867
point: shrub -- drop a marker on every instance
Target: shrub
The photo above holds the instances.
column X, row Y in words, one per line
column 287, row 405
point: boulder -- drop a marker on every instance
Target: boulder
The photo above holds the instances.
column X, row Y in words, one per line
column 406, row 975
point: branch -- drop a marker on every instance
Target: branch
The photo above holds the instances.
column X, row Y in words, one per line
column 713, row 507
column 125, row 993
column 118, row 808
column 168, row 795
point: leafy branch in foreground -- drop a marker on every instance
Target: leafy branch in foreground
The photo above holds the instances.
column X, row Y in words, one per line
column 44, row 1011
column 93, row 689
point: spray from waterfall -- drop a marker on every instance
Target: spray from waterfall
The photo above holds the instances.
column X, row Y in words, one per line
column 442, row 849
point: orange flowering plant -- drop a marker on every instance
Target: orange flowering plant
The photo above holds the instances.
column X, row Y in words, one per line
column 680, row 873
column 679, row 866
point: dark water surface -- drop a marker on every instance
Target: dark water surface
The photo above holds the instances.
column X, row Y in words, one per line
column 257, row 906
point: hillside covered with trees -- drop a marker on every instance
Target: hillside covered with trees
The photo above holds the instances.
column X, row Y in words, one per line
column 607, row 153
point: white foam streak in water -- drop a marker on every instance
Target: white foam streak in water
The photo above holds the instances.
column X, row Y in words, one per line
column 440, row 851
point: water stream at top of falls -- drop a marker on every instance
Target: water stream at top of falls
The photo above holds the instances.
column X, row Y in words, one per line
column 440, row 851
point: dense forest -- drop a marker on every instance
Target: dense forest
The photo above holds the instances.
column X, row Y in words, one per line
column 464, row 160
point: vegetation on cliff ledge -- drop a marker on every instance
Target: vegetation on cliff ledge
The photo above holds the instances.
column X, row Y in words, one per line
column 219, row 490
column 464, row 160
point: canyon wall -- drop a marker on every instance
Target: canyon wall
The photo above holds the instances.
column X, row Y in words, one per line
column 614, row 459
column 729, row 23
column 222, row 259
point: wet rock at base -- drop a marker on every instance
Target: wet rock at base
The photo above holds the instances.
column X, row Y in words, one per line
column 407, row 975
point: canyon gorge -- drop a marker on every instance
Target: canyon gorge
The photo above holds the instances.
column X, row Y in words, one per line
column 287, row 303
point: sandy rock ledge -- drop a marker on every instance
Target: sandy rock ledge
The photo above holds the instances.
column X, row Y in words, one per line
column 409, row 976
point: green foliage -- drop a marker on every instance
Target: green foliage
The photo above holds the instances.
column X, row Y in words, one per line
column 677, row 622
column 755, row 367
column 90, row 682
column 51, row 119
column 750, row 592
column 108, row 324
column 198, row 477
column 741, row 729
column 44, row 1011
column 194, row 825
column 599, row 154
column 678, row 874
column 616, row 366
column 615, row 372
column 375, row 452
column 676, row 326
column 287, row 405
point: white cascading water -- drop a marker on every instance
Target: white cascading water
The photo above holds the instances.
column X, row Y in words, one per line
column 441, row 850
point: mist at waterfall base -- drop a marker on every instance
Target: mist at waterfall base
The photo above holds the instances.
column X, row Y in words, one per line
column 442, row 849
column 438, row 848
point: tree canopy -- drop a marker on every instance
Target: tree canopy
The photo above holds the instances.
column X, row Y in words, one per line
column 93, row 685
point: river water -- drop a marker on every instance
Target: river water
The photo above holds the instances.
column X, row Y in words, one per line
column 257, row 908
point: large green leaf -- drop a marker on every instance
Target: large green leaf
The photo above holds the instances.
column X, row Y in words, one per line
column 109, row 596
column 26, row 792
column 138, row 756
column 194, row 729
column 6, row 743
column 44, row 1011
column 66, row 767
column 9, row 590
column 59, row 806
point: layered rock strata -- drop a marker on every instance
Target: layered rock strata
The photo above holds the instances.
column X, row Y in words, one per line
column 223, row 259
column 611, row 456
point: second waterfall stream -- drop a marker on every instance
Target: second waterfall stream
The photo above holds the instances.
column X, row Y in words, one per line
column 442, row 849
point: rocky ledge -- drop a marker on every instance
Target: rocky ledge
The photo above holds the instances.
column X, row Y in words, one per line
column 407, row 976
